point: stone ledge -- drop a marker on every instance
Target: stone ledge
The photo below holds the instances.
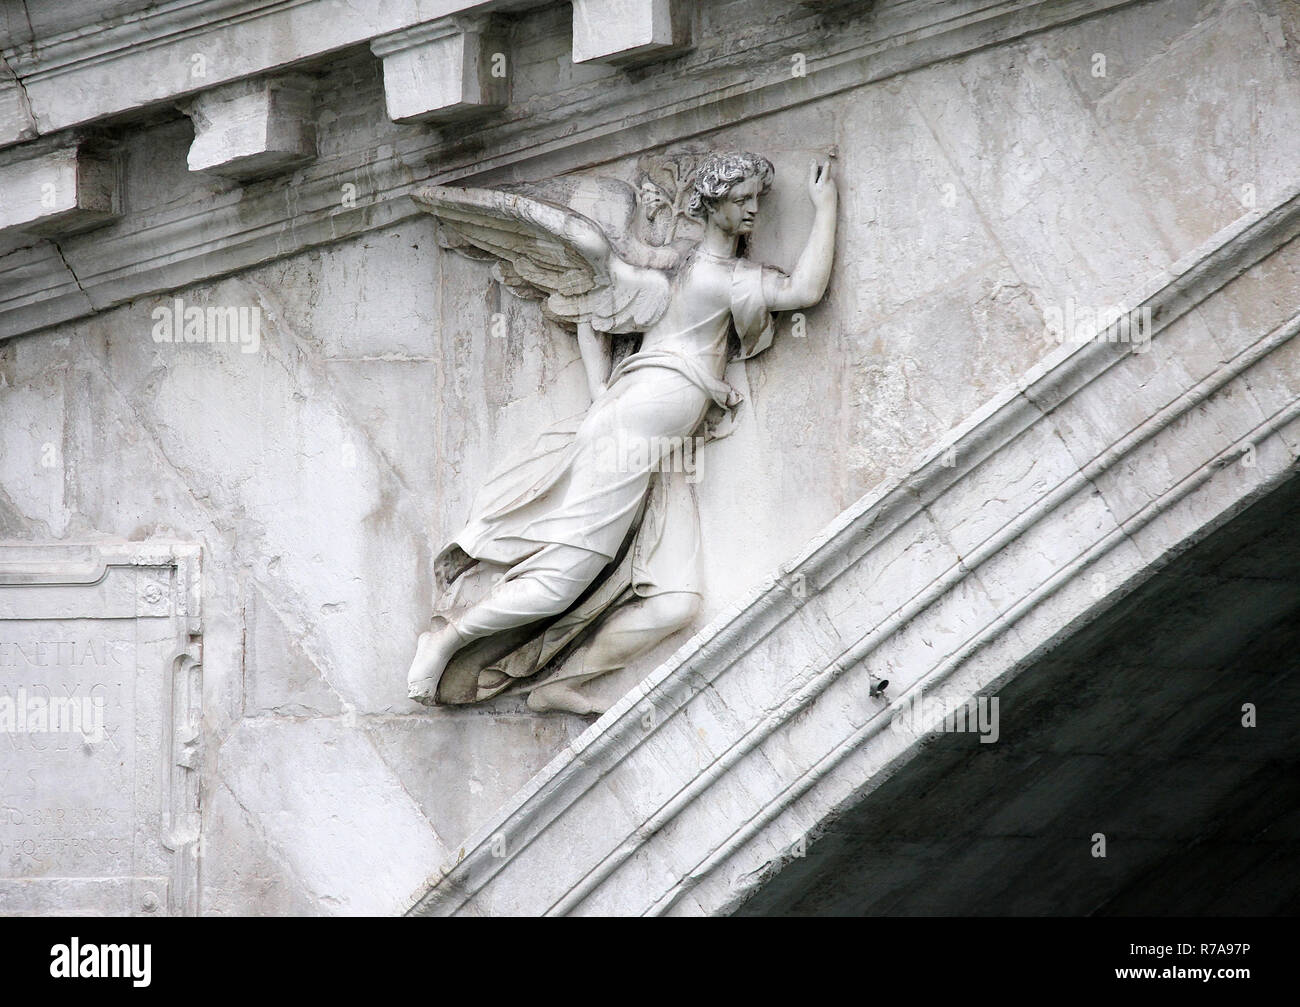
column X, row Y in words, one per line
column 443, row 71
column 252, row 128
column 628, row 31
column 59, row 191
column 177, row 48
column 688, row 793
column 171, row 50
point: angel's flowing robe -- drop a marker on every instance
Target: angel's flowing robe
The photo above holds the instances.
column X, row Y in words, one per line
column 600, row 482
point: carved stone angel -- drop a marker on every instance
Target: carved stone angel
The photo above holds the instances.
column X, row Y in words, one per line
column 584, row 551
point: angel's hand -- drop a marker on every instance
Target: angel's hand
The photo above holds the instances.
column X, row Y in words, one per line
column 805, row 286
column 821, row 186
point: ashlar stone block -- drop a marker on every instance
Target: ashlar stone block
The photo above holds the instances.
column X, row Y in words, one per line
column 621, row 31
column 252, row 128
column 58, row 191
column 447, row 69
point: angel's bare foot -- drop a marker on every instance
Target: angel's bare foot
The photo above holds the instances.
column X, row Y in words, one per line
column 564, row 699
column 432, row 653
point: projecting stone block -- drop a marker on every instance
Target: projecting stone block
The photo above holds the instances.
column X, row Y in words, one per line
column 58, row 191
column 252, row 127
column 446, row 69
column 620, row 31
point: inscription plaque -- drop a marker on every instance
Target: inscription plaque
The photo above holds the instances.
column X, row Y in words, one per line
column 100, row 693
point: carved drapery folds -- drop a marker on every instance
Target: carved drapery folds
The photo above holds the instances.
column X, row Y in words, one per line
column 582, row 552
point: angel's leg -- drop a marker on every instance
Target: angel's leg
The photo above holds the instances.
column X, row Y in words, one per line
column 544, row 585
column 623, row 637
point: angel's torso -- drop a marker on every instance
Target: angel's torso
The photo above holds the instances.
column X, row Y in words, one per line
column 695, row 323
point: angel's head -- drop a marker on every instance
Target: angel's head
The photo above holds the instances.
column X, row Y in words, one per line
column 727, row 187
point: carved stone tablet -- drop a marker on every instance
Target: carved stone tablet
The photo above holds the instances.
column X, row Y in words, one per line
column 99, row 714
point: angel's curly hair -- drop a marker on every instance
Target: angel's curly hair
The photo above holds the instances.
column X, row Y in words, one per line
column 719, row 173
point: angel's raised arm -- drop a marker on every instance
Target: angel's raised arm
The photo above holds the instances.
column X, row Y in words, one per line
column 805, row 286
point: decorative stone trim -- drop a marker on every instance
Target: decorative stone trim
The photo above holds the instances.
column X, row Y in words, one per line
column 153, row 727
column 59, row 191
column 623, row 31
column 252, row 128
column 690, row 792
column 443, row 70
column 177, row 47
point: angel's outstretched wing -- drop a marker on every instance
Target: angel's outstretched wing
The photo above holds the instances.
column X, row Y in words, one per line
column 558, row 252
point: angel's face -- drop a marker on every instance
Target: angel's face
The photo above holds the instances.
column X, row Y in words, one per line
column 736, row 212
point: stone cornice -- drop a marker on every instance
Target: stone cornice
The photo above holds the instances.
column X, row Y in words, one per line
column 92, row 73
column 982, row 598
column 177, row 48
column 189, row 242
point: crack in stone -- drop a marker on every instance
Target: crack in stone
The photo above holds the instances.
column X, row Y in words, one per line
column 24, row 99
column 71, row 272
column 31, row 31
column 276, row 853
column 10, row 510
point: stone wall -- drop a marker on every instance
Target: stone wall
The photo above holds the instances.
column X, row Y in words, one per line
column 321, row 470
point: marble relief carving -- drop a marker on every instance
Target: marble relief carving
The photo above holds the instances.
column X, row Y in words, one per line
column 581, row 554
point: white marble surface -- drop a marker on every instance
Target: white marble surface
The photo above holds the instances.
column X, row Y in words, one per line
column 738, row 752
column 982, row 191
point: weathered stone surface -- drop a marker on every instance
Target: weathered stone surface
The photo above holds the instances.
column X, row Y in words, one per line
column 308, row 809
column 15, row 116
column 191, row 231
column 444, row 70
column 991, row 184
column 621, row 31
column 59, row 191
column 1081, row 515
column 149, row 54
column 252, row 128
column 99, row 722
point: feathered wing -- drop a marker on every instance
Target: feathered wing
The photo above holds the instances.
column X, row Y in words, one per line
column 561, row 254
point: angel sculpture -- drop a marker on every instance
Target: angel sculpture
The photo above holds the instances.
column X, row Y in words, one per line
column 584, row 552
